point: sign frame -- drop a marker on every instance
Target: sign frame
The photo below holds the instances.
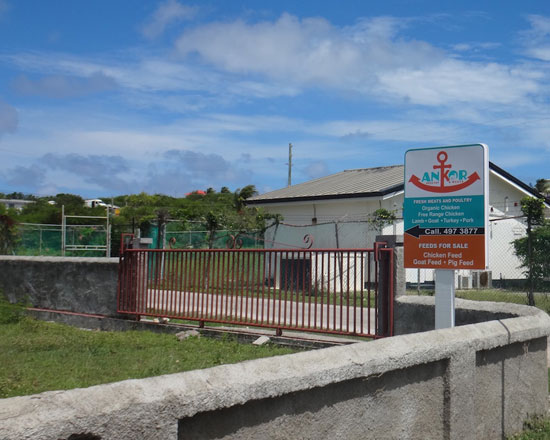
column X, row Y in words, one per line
column 445, row 213
column 446, row 217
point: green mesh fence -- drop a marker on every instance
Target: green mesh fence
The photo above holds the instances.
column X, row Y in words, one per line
column 46, row 240
column 222, row 240
column 39, row 239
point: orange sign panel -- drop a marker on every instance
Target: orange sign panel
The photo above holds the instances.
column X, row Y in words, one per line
column 450, row 252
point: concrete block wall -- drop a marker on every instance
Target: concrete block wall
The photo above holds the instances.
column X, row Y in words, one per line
column 413, row 314
column 475, row 381
column 74, row 284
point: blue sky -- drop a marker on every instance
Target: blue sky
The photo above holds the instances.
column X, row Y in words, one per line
column 101, row 98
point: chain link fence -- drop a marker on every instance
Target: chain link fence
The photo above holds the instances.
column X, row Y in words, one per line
column 223, row 239
column 505, row 280
column 46, row 240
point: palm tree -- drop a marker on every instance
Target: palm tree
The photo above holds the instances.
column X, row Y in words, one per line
column 242, row 194
column 543, row 186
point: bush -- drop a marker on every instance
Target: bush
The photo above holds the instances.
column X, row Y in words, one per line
column 10, row 313
column 540, row 259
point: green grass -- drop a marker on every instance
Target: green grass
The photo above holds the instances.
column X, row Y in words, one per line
column 500, row 295
column 40, row 356
column 542, row 300
column 537, row 428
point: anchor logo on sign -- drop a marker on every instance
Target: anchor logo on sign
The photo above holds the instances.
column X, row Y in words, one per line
column 435, row 181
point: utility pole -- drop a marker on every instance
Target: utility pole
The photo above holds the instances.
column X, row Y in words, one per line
column 289, row 164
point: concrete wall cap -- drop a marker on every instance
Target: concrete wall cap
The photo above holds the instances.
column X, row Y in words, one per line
column 112, row 260
column 464, row 304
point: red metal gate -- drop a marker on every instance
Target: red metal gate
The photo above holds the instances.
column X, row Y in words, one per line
column 316, row 290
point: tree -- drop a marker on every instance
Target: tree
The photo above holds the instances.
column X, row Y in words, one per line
column 212, row 211
column 533, row 210
column 242, row 194
column 40, row 212
column 8, row 232
column 380, row 218
column 212, row 223
column 162, row 218
column 543, row 186
column 540, row 257
column 15, row 196
column 70, row 201
column 139, row 211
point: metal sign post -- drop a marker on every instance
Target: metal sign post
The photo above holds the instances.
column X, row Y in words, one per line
column 445, row 216
column 444, row 298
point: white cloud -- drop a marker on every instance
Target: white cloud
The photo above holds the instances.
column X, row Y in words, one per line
column 537, row 38
column 475, row 46
column 285, row 57
column 226, row 123
column 455, row 81
column 315, row 169
column 308, row 51
column 170, row 172
column 8, row 118
column 371, row 58
column 168, row 13
column 26, row 176
column 410, row 130
column 58, row 86
column 143, row 75
column 537, row 132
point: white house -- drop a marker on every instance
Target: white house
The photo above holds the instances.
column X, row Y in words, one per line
column 334, row 212
column 15, row 203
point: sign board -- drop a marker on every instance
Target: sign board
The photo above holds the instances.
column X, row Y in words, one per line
column 445, row 209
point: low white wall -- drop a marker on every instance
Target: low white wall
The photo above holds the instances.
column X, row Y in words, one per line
column 473, row 381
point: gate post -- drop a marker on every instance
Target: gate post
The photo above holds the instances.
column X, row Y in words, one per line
column 391, row 280
column 138, row 273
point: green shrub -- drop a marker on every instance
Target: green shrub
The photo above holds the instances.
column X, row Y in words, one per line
column 10, row 313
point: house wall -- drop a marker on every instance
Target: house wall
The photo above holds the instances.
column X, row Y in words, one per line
column 504, row 203
column 327, row 271
column 353, row 230
column 15, row 203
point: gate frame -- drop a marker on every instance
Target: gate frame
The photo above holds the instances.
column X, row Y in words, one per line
column 383, row 287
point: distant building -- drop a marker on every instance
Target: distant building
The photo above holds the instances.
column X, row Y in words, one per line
column 15, row 203
column 198, row 192
column 94, row 203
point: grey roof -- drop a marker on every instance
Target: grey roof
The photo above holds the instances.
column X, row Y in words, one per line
column 365, row 182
